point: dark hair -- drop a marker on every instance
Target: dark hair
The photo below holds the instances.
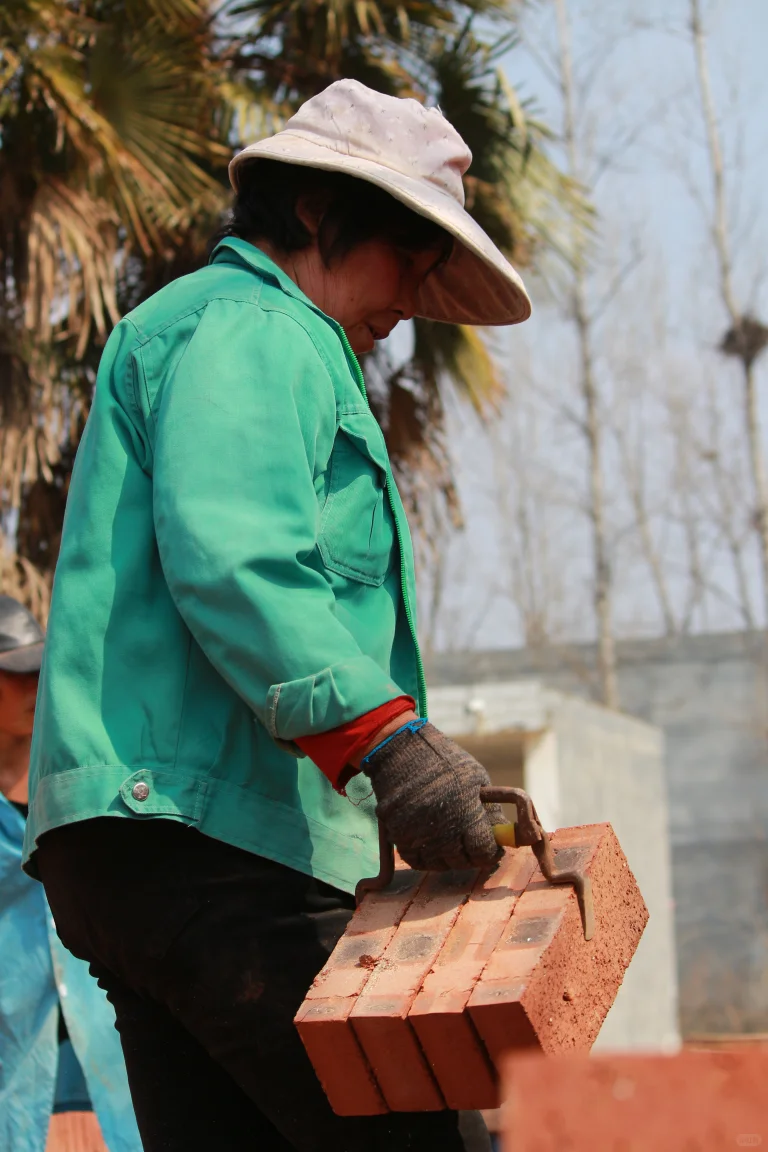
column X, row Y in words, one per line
column 265, row 208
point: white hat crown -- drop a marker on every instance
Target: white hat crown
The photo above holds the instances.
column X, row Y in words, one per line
column 401, row 134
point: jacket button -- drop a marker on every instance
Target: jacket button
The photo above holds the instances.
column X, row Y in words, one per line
column 140, row 791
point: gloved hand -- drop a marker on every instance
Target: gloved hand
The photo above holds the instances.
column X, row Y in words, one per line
column 428, row 793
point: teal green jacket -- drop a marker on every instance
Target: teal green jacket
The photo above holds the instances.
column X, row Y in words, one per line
column 235, row 572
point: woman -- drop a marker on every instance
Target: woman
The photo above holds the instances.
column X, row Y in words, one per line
column 60, row 1060
column 232, row 687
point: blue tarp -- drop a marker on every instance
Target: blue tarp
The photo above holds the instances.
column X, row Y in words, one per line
column 37, row 975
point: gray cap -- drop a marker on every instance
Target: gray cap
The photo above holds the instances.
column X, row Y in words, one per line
column 21, row 638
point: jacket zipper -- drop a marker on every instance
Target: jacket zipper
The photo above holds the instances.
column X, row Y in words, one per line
column 422, row 682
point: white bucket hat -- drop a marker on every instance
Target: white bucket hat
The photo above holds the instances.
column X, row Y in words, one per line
column 413, row 153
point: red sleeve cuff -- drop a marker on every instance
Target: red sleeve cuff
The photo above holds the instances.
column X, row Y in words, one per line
column 332, row 751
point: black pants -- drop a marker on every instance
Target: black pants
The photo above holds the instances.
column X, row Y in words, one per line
column 206, row 953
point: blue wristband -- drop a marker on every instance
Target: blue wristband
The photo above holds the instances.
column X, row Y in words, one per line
column 410, row 726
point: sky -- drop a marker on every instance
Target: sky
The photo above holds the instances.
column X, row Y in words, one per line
column 651, row 71
column 651, row 202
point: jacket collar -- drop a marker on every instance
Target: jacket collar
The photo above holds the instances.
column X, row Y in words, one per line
column 254, row 258
column 233, row 250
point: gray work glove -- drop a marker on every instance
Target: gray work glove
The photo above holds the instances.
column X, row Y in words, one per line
column 428, row 793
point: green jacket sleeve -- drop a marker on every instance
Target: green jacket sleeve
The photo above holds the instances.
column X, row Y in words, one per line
column 244, row 429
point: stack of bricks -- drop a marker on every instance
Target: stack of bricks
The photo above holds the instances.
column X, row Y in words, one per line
column 702, row 1101
column 438, row 976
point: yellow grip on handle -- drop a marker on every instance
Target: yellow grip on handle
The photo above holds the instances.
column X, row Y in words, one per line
column 504, row 835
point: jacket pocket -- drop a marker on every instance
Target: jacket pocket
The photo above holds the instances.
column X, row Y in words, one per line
column 357, row 530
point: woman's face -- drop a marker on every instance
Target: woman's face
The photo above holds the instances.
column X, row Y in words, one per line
column 368, row 291
column 371, row 289
column 18, row 693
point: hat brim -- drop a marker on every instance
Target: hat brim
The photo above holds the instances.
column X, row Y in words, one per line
column 476, row 285
column 22, row 660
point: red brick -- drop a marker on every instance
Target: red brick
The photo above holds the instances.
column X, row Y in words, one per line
column 544, row 985
column 446, row 1034
column 702, row 1101
column 726, row 1041
column 323, row 1019
column 75, row 1132
column 380, row 1016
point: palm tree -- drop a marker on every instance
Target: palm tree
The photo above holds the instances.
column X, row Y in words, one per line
column 111, row 123
column 116, row 121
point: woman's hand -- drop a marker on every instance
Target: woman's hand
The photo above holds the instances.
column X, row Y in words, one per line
column 428, row 793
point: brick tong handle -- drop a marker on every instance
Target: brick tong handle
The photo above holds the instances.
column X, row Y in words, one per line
column 526, row 832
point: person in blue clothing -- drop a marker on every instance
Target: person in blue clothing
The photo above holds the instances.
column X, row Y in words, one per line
column 59, row 1051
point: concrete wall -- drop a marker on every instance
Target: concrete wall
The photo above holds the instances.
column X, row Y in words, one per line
column 612, row 768
column 709, row 695
column 583, row 764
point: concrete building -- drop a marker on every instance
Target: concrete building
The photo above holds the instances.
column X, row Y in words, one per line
column 709, row 696
column 583, row 764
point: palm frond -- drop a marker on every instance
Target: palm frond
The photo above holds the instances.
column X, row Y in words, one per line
column 72, row 250
column 113, row 131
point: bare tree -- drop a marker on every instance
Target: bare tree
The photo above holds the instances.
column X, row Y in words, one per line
column 579, row 311
column 726, row 508
column 747, row 337
column 525, row 503
column 626, row 511
column 634, row 465
column 706, row 482
column 684, row 482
